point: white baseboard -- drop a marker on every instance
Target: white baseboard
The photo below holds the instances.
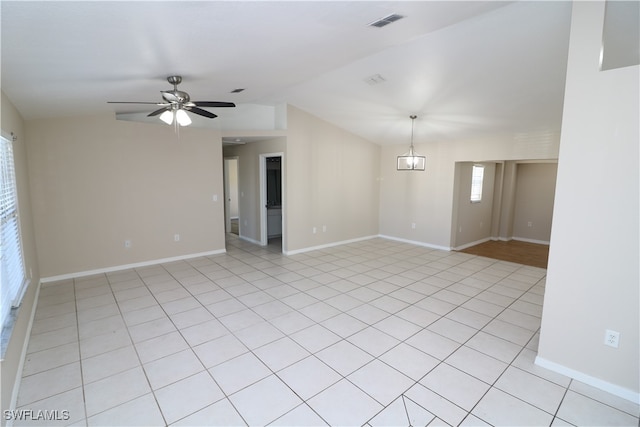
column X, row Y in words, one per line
column 245, row 238
column 328, row 245
column 616, row 390
column 468, row 245
column 23, row 355
column 128, row 266
column 524, row 239
column 415, row 242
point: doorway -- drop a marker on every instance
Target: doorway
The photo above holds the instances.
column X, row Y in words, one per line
column 271, row 200
column 231, row 205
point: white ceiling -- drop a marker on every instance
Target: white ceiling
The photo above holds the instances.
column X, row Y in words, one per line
column 467, row 69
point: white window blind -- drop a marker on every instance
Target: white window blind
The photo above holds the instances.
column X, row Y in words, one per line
column 477, row 178
column 12, row 272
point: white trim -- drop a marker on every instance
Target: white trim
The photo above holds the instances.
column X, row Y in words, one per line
column 23, row 356
column 250, row 240
column 23, row 289
column 129, row 266
column 417, row 243
column 328, row 245
column 616, row 390
column 468, row 245
column 539, row 242
column 264, row 238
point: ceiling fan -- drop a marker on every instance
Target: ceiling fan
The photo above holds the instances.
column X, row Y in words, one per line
column 177, row 103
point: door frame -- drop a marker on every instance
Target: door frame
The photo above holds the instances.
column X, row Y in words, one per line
column 227, row 207
column 264, row 239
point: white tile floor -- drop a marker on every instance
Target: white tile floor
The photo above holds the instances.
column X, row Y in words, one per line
column 375, row 332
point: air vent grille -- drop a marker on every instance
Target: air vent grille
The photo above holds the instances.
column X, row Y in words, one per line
column 386, row 20
column 374, row 79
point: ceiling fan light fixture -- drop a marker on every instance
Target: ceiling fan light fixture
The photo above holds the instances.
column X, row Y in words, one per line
column 167, row 117
column 183, row 118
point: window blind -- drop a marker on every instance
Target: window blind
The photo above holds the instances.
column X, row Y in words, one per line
column 12, row 277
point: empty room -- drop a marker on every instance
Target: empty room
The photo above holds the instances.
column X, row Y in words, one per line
column 322, row 213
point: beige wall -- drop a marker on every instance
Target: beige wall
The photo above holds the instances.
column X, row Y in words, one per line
column 426, row 198
column 335, row 184
column 594, row 260
column 507, row 200
column 249, row 181
column 535, row 191
column 96, row 182
column 472, row 220
column 12, row 122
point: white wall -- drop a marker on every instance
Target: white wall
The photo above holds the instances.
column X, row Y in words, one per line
column 593, row 275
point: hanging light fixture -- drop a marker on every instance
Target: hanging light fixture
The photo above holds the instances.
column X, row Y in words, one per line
column 411, row 161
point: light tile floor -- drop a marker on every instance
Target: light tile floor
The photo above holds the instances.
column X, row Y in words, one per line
column 371, row 333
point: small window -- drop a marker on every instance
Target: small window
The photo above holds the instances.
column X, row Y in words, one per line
column 477, row 177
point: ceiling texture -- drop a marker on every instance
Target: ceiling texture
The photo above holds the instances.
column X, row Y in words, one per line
column 466, row 69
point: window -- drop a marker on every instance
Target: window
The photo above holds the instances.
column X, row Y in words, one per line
column 12, row 275
column 477, row 177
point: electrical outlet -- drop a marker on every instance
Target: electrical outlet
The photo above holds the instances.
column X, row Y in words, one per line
column 215, row 197
column 413, row 225
column 314, row 230
column 324, row 228
column 127, row 243
column 611, row 338
column 529, row 224
column 176, row 237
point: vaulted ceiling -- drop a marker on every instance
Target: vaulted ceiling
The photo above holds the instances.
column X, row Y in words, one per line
column 467, row 69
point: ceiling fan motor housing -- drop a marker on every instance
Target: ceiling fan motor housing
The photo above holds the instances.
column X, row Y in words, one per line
column 174, row 80
column 175, row 96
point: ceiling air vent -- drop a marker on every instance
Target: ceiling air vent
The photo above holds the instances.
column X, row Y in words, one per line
column 386, row 20
column 374, row 80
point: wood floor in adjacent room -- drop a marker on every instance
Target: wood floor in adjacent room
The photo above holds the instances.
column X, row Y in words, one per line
column 532, row 254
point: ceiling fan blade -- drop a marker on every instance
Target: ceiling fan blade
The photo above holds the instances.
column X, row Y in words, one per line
column 161, row 110
column 134, row 102
column 213, row 104
column 201, row 112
